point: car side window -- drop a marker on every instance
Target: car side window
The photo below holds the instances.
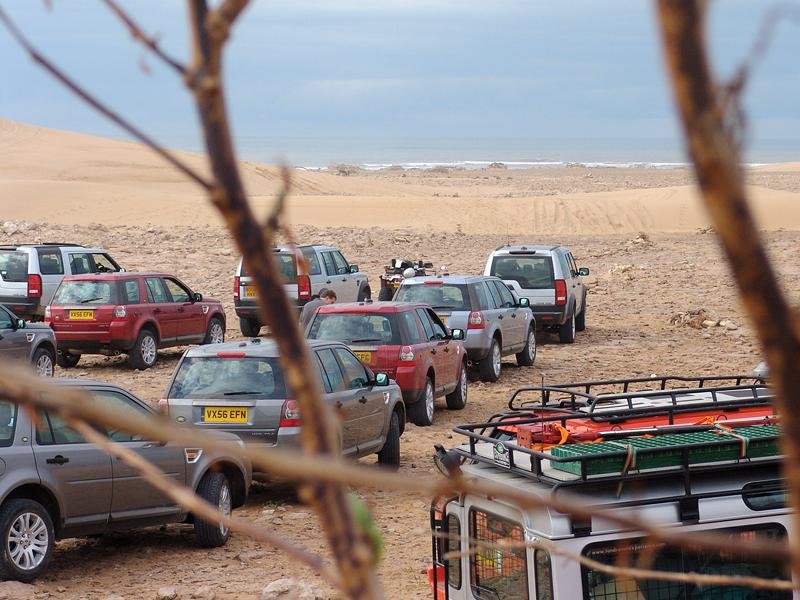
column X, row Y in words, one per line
column 332, row 370
column 178, row 292
column 102, row 263
column 426, row 323
column 479, row 291
column 496, row 302
column 323, row 378
column 121, row 404
column 341, row 264
column 411, row 327
column 313, row 261
column 572, row 264
column 506, row 297
column 565, row 270
column 79, row 263
column 330, row 268
column 5, row 319
column 439, row 331
column 130, row 291
column 355, row 375
column 155, row 290
column 50, row 262
column 51, row 429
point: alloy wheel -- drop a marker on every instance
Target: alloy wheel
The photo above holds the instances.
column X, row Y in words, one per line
column 27, row 541
column 429, row 403
column 44, row 366
column 217, row 334
column 224, row 506
column 496, row 359
column 148, row 350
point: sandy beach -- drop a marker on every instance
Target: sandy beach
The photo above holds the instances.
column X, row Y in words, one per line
column 643, row 234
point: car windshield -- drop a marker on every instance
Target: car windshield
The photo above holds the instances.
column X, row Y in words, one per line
column 353, row 328
column 14, row 266
column 223, row 377
column 86, row 292
column 531, row 272
column 8, row 421
column 446, row 296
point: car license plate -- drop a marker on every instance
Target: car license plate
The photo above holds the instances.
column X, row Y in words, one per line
column 365, row 357
column 249, row 291
column 81, row 315
column 217, row 414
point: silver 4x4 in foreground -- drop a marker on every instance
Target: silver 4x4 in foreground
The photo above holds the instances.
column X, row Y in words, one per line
column 57, row 485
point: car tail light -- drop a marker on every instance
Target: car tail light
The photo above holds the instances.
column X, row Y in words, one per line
column 476, row 320
column 120, row 312
column 561, row 292
column 290, row 414
column 406, row 354
column 433, row 282
column 236, row 283
column 231, row 355
column 34, row 286
column 304, row 287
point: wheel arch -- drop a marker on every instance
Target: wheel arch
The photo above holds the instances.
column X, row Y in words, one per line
column 235, row 477
column 41, row 494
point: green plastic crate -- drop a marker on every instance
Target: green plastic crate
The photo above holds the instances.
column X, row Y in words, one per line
column 666, row 450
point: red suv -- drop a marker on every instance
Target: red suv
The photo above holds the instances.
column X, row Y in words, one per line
column 130, row 313
column 408, row 342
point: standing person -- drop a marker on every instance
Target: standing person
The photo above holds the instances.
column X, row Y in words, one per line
column 326, row 296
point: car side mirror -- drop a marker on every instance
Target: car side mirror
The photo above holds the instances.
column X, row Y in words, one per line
column 19, row 324
column 457, row 334
column 197, row 297
column 381, row 379
column 524, row 303
column 354, row 268
column 583, row 271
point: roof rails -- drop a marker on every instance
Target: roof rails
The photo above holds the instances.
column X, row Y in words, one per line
column 60, row 244
column 635, row 434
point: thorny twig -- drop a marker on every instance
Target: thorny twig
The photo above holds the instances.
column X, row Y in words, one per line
column 38, row 58
column 27, row 390
column 189, row 500
column 721, row 181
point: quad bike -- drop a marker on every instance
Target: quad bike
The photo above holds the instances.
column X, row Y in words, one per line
column 400, row 269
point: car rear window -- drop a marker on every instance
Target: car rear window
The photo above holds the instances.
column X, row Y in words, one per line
column 446, row 296
column 531, row 272
column 86, row 292
column 233, row 378
column 354, row 328
column 287, row 266
column 8, row 422
column 14, row 266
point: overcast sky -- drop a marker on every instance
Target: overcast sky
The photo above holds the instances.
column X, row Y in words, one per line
column 396, row 68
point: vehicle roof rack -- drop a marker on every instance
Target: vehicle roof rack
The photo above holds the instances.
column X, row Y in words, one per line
column 643, row 434
column 60, row 244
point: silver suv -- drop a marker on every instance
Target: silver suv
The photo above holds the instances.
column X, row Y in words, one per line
column 549, row 278
column 497, row 323
column 56, row 485
column 30, row 273
column 239, row 387
column 327, row 268
column 27, row 341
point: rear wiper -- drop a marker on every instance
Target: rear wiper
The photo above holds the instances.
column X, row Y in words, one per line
column 239, row 393
column 362, row 340
column 91, row 300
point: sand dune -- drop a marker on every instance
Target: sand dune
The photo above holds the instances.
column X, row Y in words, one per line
column 70, row 178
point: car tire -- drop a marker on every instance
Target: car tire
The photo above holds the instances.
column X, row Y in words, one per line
column 215, row 489
column 364, row 293
column 144, row 353
column 24, row 517
column 580, row 320
column 457, row 399
column 44, row 361
column 385, row 294
column 389, row 455
column 421, row 411
column 528, row 354
column 249, row 327
column 566, row 333
column 490, row 367
column 66, row 359
column 215, row 334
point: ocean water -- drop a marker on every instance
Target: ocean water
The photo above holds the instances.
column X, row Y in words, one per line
column 374, row 153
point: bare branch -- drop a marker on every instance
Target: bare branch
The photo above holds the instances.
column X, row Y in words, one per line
column 18, row 386
column 138, row 34
column 99, row 106
column 199, row 507
column 722, row 184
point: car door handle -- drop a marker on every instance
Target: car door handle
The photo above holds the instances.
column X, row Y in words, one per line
column 513, row 315
column 328, row 281
column 57, row 460
column 156, row 311
column 500, row 317
column 339, row 404
column 180, row 309
column 447, row 348
column 363, row 399
column 433, row 350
